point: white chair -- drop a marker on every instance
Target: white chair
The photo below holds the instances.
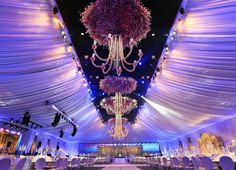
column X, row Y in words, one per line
column 187, row 163
column 207, row 163
column 175, row 164
column 78, row 162
column 20, row 164
column 83, row 162
column 64, row 163
column 5, row 163
column 59, row 163
column 165, row 163
column 27, row 164
column 74, row 163
column 40, row 164
column 226, row 163
column 196, row 163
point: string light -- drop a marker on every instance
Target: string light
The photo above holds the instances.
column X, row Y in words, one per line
column 166, row 53
column 69, row 46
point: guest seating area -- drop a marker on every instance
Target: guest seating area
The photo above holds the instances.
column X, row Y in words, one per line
column 193, row 163
column 40, row 163
column 117, row 84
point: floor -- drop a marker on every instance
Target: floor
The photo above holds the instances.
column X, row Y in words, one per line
column 119, row 167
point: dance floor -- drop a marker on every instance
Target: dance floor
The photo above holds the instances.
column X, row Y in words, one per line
column 120, row 167
column 123, row 167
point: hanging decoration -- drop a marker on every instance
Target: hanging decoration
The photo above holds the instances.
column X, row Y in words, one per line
column 116, row 24
column 125, row 106
column 113, row 84
column 118, row 104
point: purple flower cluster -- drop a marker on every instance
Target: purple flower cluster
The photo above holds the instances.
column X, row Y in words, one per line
column 128, row 18
column 124, row 85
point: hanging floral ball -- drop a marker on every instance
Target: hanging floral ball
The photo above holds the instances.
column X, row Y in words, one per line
column 128, row 18
column 124, row 85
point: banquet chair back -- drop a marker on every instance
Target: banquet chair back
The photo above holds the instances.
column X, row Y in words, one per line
column 74, row 162
column 20, row 164
column 5, row 163
column 196, row 163
column 207, row 163
column 78, row 162
column 175, row 163
column 40, row 164
column 64, row 163
column 226, row 163
column 59, row 163
column 27, row 164
column 187, row 163
column 165, row 161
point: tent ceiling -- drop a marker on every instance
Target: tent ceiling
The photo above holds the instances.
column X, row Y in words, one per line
column 196, row 85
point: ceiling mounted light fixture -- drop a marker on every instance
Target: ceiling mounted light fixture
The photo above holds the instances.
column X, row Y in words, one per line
column 118, row 104
column 116, row 25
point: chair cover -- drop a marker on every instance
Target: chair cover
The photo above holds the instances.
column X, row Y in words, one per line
column 196, row 163
column 226, row 163
column 207, row 163
column 74, row 162
column 20, row 164
column 59, row 163
column 40, row 164
column 5, row 163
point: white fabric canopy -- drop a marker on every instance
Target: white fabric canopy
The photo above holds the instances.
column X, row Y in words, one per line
column 197, row 81
column 196, row 85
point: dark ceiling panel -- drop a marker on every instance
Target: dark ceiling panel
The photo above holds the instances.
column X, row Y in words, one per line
column 163, row 13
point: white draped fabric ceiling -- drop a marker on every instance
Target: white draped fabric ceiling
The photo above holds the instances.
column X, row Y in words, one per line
column 197, row 82
column 196, row 85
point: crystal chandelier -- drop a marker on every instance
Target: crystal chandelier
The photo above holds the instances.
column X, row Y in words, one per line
column 118, row 105
column 116, row 58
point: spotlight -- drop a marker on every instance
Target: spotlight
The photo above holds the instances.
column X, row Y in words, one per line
column 142, row 82
column 74, row 131
column 26, row 119
column 153, row 34
column 166, row 47
column 85, row 84
column 46, row 102
column 61, row 133
column 82, row 33
column 140, row 63
column 56, row 119
column 58, row 146
column 62, row 32
column 55, row 10
column 181, row 10
column 69, row 48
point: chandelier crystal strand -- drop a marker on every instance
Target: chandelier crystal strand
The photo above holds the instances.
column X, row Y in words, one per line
column 116, row 57
column 118, row 131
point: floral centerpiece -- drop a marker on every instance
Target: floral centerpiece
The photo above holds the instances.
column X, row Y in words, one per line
column 128, row 18
column 124, row 85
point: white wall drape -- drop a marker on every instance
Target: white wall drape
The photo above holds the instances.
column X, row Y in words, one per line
column 196, row 86
column 197, row 82
column 35, row 66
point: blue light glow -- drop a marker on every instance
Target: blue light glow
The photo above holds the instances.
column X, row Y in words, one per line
column 92, row 148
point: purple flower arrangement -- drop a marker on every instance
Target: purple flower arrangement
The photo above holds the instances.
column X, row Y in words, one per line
column 128, row 18
column 124, row 85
